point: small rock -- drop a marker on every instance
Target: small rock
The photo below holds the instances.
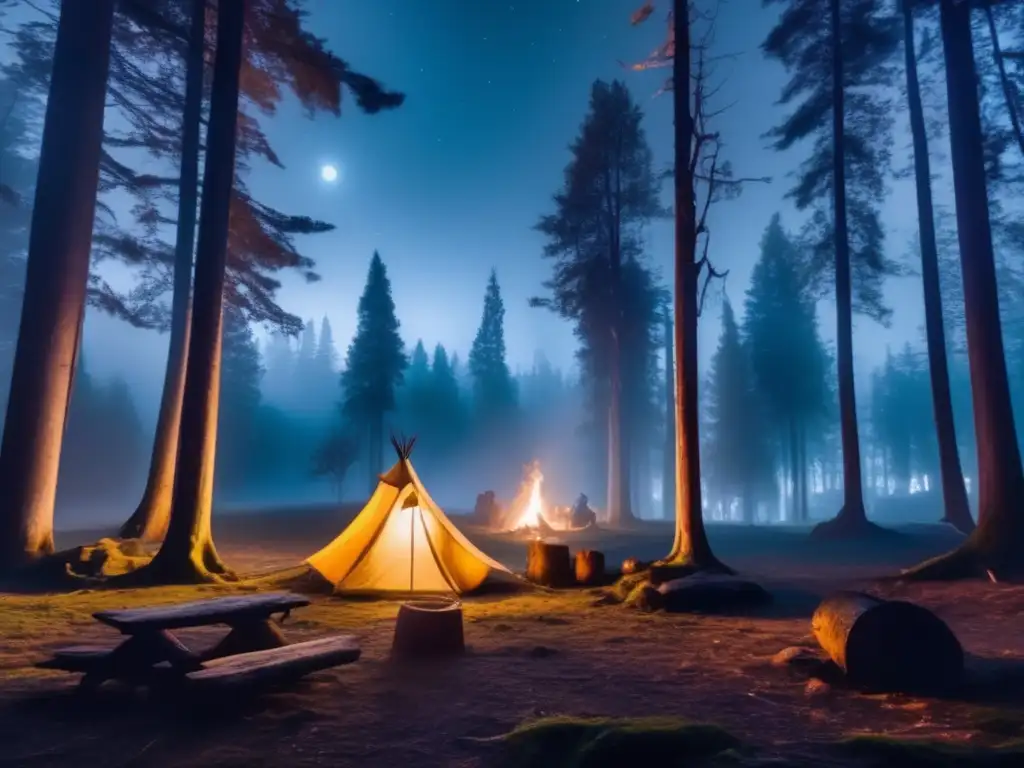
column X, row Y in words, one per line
column 631, row 565
column 796, row 656
column 541, row 652
column 554, row 620
column 816, row 687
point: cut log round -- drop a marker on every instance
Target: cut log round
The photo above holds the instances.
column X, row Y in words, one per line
column 590, row 567
column 428, row 628
column 548, row 564
column 888, row 646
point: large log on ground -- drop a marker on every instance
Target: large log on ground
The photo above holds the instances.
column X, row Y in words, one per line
column 706, row 592
column 590, row 567
column 428, row 628
column 888, row 645
column 548, row 564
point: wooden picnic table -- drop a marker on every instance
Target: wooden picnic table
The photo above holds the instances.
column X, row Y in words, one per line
column 254, row 645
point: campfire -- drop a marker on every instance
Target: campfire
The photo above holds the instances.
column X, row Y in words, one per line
column 530, row 513
column 526, row 512
column 533, row 514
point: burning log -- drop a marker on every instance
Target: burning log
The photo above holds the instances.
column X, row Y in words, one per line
column 590, row 567
column 428, row 628
column 548, row 564
column 890, row 646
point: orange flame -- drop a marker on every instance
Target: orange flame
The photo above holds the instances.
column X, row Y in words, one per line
column 532, row 516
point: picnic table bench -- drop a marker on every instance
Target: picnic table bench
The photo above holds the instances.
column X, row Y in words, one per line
column 254, row 652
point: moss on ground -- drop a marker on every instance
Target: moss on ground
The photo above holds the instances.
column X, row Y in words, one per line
column 1004, row 723
column 883, row 751
column 570, row 742
column 628, row 584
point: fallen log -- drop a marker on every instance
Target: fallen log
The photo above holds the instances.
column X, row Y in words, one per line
column 428, row 628
column 888, row 645
column 548, row 564
column 708, row 592
column 590, row 568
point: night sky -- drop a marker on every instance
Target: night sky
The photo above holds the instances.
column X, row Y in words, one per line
column 449, row 185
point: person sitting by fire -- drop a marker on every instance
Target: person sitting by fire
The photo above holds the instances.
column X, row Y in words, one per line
column 582, row 515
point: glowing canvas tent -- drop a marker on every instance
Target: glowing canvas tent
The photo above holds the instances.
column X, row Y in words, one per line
column 401, row 541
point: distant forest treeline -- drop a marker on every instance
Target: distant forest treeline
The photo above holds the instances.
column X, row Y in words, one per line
column 301, row 418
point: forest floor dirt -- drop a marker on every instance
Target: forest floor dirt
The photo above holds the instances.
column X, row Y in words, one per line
column 530, row 655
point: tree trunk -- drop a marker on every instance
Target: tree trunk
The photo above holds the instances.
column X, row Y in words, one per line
column 794, row 471
column 1012, row 105
column 188, row 554
column 996, row 544
column 56, row 278
column 640, row 477
column 627, row 515
column 376, row 451
column 749, row 508
column 805, row 513
column 690, row 547
column 871, row 472
column 852, row 519
column 619, row 513
column 149, row 522
column 668, row 466
column 954, row 493
column 371, row 436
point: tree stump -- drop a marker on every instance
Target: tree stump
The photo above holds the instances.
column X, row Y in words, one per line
column 888, row 646
column 590, row 567
column 428, row 628
column 548, row 564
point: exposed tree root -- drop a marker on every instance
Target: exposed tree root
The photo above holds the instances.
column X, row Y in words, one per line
column 847, row 525
column 961, row 563
column 969, row 561
column 48, row 573
column 962, row 523
column 75, row 568
column 201, row 566
column 681, row 567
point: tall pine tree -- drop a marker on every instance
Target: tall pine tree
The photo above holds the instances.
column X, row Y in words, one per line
column 738, row 460
column 839, row 69
column 448, row 410
column 494, row 393
column 416, row 398
column 374, row 366
column 610, row 191
column 241, row 373
column 788, row 361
